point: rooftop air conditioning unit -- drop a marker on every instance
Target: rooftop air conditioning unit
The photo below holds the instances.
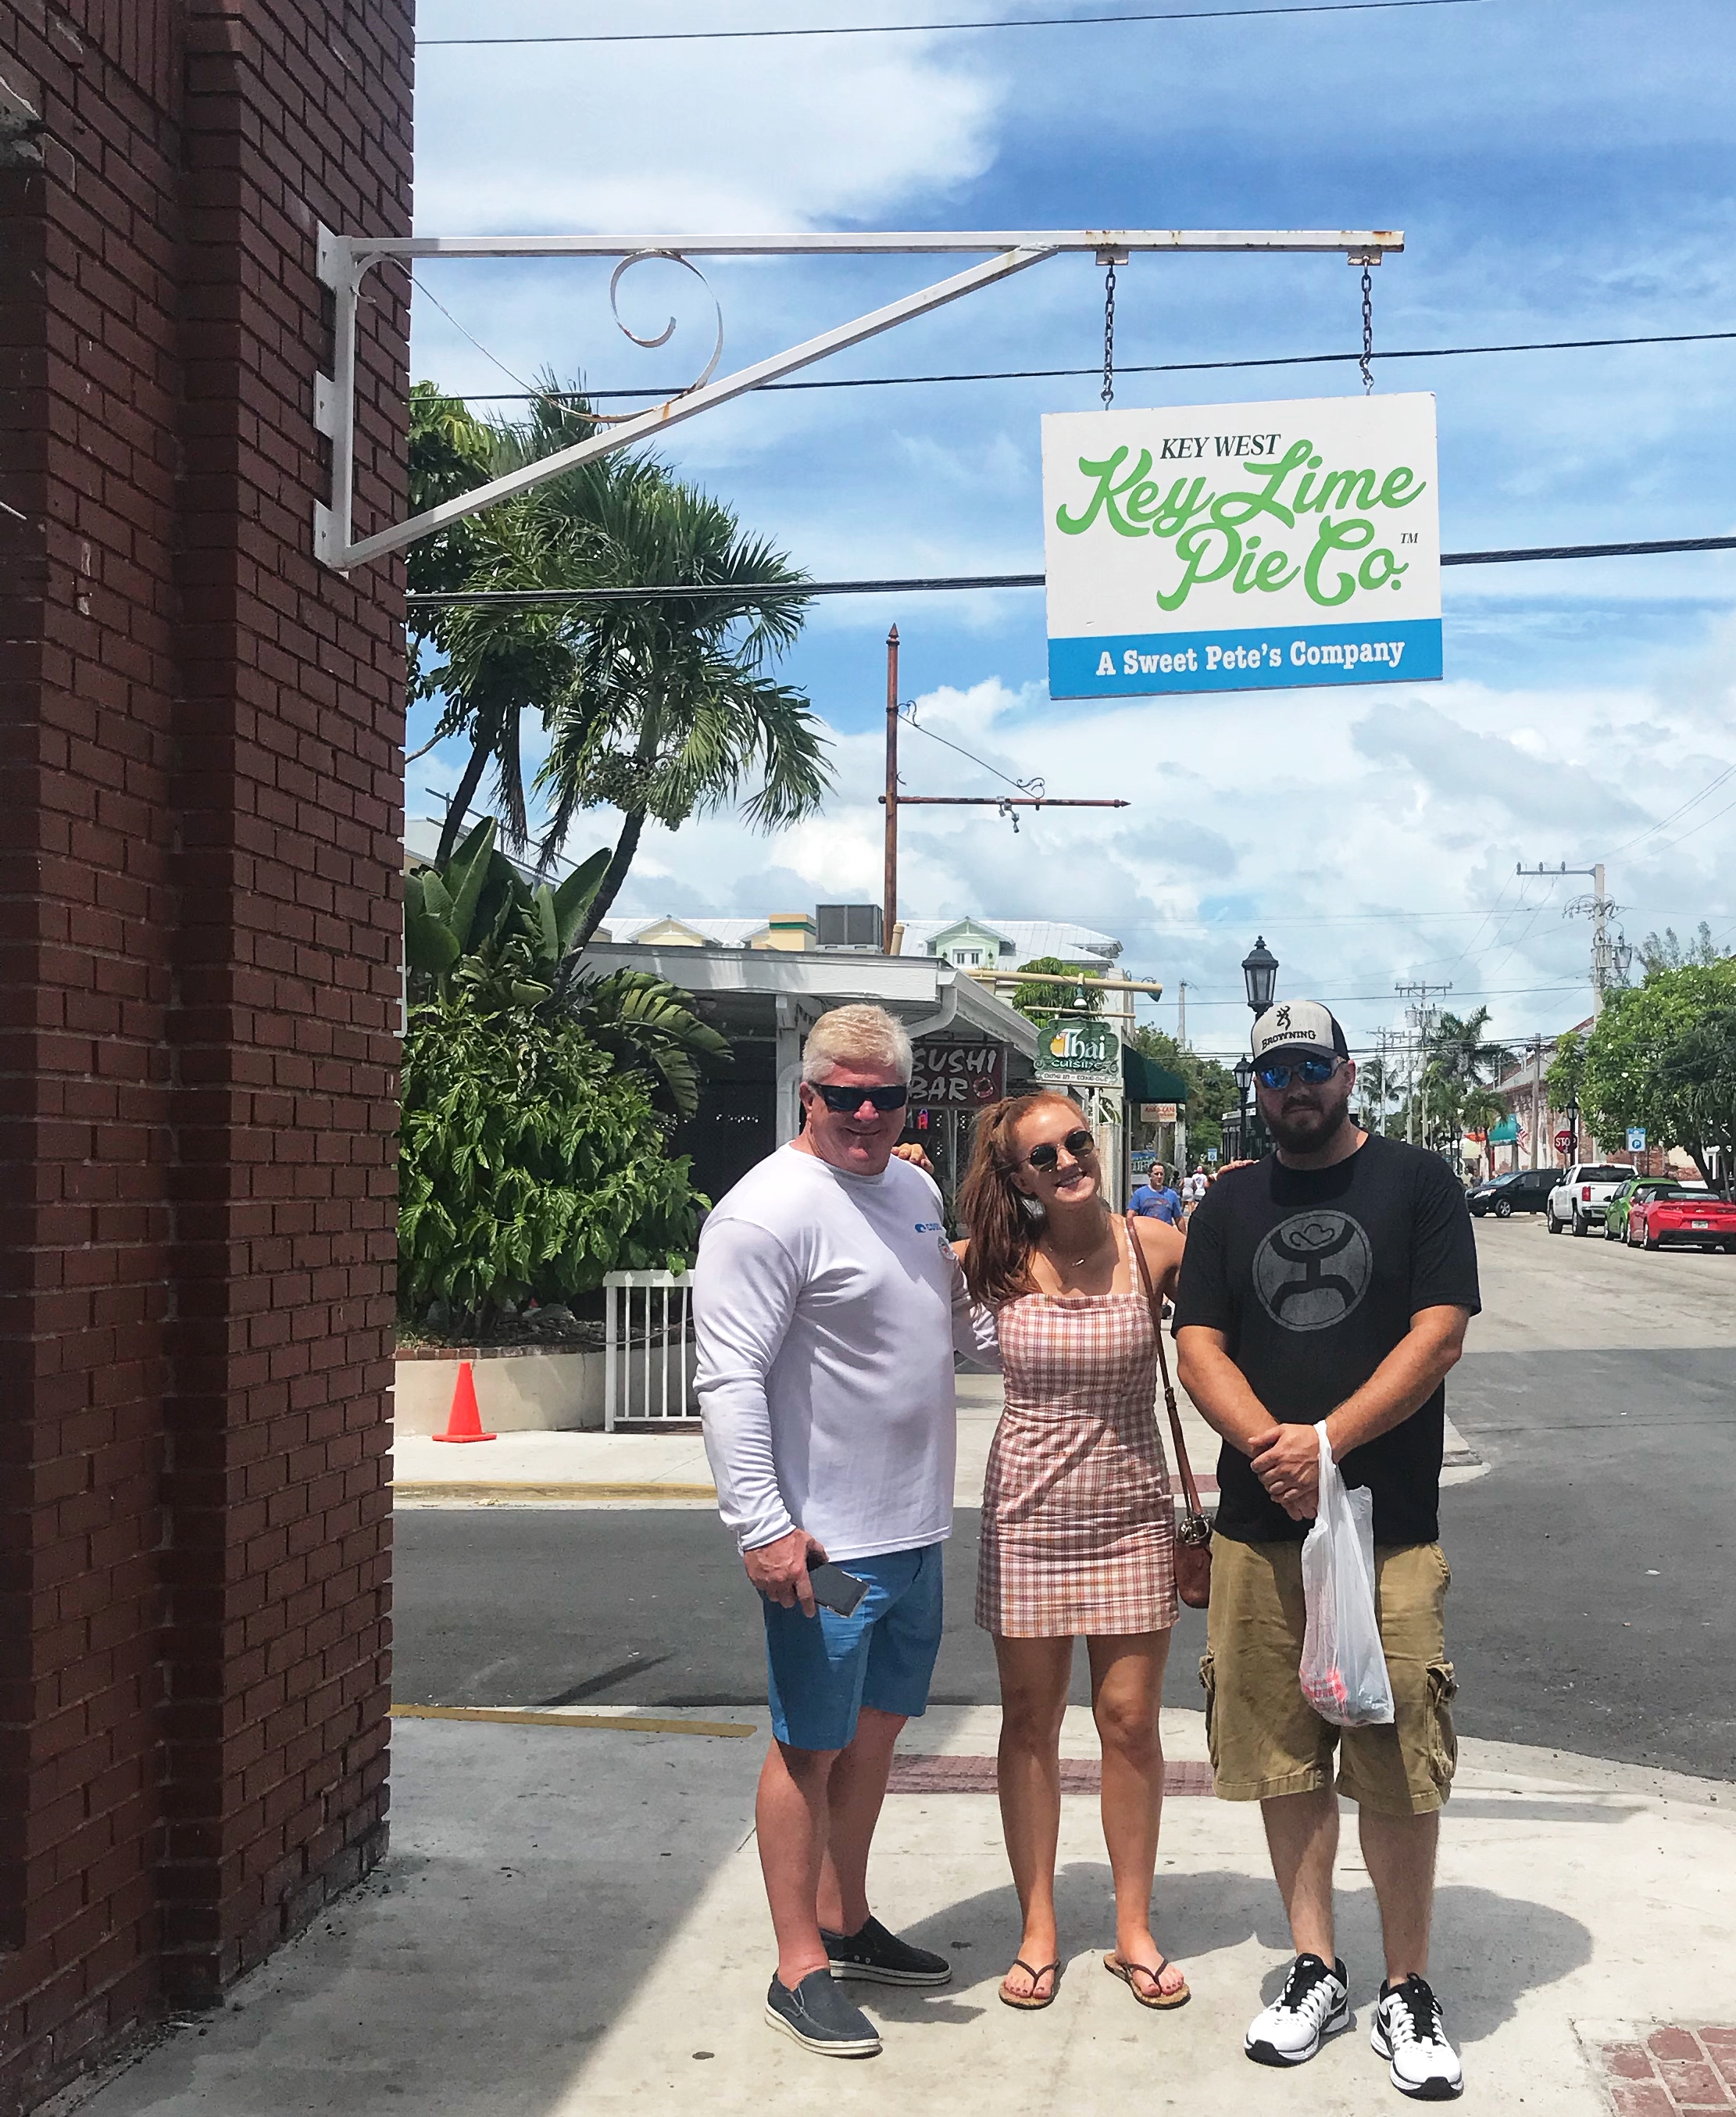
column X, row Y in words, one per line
column 849, row 926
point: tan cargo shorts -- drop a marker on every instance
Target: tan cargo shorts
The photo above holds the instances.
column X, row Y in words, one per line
column 1265, row 1736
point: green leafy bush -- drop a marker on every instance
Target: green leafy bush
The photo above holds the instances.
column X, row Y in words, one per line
column 531, row 1163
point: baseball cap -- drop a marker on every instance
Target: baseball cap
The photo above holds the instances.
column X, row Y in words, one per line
column 1299, row 1025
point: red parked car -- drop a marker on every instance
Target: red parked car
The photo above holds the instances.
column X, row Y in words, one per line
column 1684, row 1215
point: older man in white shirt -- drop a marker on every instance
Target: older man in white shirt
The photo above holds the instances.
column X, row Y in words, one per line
column 828, row 1306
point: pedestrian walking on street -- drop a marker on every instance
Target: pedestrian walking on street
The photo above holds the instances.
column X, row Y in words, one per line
column 1078, row 1536
column 1156, row 1199
column 828, row 1305
column 1331, row 1284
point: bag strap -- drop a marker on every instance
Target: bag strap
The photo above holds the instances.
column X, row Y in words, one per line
column 1182, row 1464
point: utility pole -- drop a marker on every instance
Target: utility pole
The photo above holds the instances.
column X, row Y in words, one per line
column 892, row 800
column 1422, row 1021
column 1181, row 1015
column 1610, row 956
column 1537, row 1086
column 889, row 910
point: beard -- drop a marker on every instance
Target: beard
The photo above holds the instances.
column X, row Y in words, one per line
column 1306, row 1128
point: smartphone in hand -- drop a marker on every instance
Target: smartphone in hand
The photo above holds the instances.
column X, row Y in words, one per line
column 835, row 1589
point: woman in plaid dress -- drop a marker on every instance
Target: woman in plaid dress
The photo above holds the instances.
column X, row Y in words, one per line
column 1078, row 1524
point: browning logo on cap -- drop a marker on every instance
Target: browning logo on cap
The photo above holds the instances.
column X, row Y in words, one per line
column 1298, row 1025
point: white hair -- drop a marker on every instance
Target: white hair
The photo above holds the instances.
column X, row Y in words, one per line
column 856, row 1036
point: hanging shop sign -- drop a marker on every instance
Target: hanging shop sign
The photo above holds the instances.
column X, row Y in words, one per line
column 1234, row 547
column 1506, row 1133
column 1083, row 1054
column 1157, row 1114
column 957, row 1076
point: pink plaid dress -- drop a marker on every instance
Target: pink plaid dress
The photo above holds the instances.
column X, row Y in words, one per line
column 1078, row 1524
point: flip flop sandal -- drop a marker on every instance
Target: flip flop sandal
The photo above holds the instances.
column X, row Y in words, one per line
column 1159, row 2000
column 1033, row 2002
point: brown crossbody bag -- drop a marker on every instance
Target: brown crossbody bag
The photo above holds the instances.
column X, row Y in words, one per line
column 1193, row 1531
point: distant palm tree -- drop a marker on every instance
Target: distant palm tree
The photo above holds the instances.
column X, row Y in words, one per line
column 1458, row 1049
column 1461, row 1064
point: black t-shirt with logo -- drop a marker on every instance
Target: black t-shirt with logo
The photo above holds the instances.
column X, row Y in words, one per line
column 1313, row 1275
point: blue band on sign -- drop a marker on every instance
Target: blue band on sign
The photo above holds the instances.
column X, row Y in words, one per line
column 1271, row 658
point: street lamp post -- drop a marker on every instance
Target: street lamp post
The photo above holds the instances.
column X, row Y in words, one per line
column 1244, row 1072
column 1260, row 975
column 1259, row 981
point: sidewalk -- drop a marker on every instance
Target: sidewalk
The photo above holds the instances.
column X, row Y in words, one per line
column 571, row 1920
column 669, row 1469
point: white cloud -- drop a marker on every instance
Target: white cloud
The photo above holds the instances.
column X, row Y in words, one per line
column 1371, row 835
column 785, row 134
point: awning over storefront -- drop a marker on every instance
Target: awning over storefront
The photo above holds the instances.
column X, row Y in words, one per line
column 1145, row 1081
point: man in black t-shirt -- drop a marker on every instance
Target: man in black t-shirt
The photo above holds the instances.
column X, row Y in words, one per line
column 1331, row 1284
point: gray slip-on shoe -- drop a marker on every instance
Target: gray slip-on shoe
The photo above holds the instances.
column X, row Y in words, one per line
column 883, row 1958
column 818, row 2017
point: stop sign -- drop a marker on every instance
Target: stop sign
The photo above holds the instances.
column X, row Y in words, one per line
column 1563, row 1140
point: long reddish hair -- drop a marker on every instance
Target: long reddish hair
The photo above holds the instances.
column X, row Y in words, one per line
column 1002, row 1235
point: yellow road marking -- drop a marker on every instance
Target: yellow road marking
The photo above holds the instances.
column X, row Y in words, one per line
column 632, row 1723
column 412, row 1490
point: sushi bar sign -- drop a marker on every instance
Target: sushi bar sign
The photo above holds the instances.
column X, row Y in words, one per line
column 1228, row 548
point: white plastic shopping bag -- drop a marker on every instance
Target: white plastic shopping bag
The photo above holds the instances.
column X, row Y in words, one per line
column 1343, row 1671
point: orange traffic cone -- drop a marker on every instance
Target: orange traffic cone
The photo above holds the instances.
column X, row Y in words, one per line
column 465, row 1422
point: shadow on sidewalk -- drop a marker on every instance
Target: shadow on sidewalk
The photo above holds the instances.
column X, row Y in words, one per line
column 536, row 1878
column 1490, row 1950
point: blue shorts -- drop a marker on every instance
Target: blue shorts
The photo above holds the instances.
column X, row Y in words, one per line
column 822, row 1670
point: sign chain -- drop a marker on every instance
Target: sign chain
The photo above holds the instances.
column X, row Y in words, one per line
column 1367, row 332
column 1108, row 388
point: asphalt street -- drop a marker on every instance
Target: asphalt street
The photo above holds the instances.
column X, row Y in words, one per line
column 1593, row 1602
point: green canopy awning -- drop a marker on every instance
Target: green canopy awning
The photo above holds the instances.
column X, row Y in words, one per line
column 1145, row 1081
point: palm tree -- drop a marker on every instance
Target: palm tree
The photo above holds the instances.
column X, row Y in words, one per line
column 660, row 707
column 1457, row 1050
column 669, row 709
column 1460, row 1066
column 1373, row 1079
column 484, row 693
column 1479, row 1109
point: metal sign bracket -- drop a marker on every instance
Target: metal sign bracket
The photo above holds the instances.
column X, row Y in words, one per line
column 343, row 260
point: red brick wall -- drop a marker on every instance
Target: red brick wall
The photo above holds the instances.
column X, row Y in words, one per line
column 200, row 787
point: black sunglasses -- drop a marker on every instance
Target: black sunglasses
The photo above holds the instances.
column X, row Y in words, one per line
column 843, row 1100
column 1313, row 1071
column 1046, row 1154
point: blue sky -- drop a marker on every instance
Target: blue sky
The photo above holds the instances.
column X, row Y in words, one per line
column 1560, row 171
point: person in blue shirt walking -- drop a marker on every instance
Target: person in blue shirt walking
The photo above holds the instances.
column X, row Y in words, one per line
column 1155, row 1200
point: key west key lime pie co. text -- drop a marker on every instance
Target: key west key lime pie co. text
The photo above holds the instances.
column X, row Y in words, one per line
column 1240, row 547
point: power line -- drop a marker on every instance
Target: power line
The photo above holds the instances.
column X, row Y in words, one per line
column 524, row 394
column 914, row 28
column 1693, row 801
column 937, row 583
column 1681, row 836
column 1064, row 374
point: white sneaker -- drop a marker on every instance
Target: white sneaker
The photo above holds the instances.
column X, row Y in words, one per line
column 1408, row 2031
column 1314, row 2005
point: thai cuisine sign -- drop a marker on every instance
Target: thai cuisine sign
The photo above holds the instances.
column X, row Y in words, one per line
column 1242, row 547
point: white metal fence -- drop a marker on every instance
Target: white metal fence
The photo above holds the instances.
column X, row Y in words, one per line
column 648, row 1350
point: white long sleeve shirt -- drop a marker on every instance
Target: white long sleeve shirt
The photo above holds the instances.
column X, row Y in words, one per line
column 827, row 1308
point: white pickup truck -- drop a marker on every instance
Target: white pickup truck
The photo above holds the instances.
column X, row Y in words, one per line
column 1578, row 1200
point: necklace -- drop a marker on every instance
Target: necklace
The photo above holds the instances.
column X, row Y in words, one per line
column 1073, row 1264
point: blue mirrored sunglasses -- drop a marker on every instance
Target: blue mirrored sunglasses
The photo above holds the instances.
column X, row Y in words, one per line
column 1312, row 1071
